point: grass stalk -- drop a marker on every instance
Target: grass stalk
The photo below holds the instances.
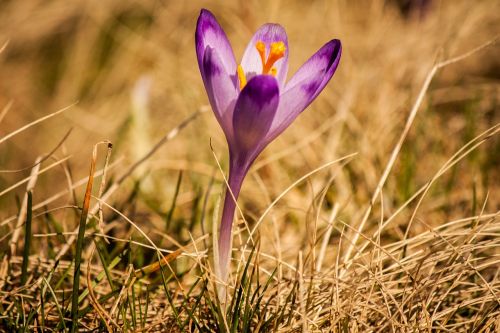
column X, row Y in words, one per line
column 79, row 244
column 27, row 239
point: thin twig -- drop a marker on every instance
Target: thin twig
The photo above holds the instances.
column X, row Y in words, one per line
column 33, row 123
column 45, row 157
column 39, row 172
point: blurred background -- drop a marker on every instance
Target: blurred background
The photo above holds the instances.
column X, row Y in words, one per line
column 129, row 70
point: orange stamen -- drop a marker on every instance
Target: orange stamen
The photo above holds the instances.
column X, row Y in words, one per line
column 276, row 52
column 261, row 48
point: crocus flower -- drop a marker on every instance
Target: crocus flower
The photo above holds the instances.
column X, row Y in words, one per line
column 252, row 101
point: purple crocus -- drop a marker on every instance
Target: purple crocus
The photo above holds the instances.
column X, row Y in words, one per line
column 252, row 101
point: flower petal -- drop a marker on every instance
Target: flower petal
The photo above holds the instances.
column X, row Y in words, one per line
column 221, row 90
column 254, row 112
column 251, row 62
column 210, row 34
column 305, row 86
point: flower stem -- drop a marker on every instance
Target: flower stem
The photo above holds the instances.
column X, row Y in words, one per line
column 236, row 176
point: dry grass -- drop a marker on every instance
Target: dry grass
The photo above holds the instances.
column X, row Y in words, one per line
column 377, row 211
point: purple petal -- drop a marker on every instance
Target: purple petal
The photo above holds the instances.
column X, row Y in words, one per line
column 305, row 86
column 251, row 62
column 221, row 90
column 254, row 112
column 210, row 34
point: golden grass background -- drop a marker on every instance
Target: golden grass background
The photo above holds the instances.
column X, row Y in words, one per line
column 93, row 53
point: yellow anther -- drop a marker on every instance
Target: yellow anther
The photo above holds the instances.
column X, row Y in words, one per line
column 261, row 48
column 277, row 49
column 274, row 71
column 241, row 77
column 276, row 52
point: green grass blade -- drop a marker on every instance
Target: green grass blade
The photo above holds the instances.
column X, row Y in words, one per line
column 79, row 246
column 236, row 310
column 174, row 202
column 27, row 240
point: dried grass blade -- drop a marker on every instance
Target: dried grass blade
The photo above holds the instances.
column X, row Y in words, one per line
column 25, row 127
